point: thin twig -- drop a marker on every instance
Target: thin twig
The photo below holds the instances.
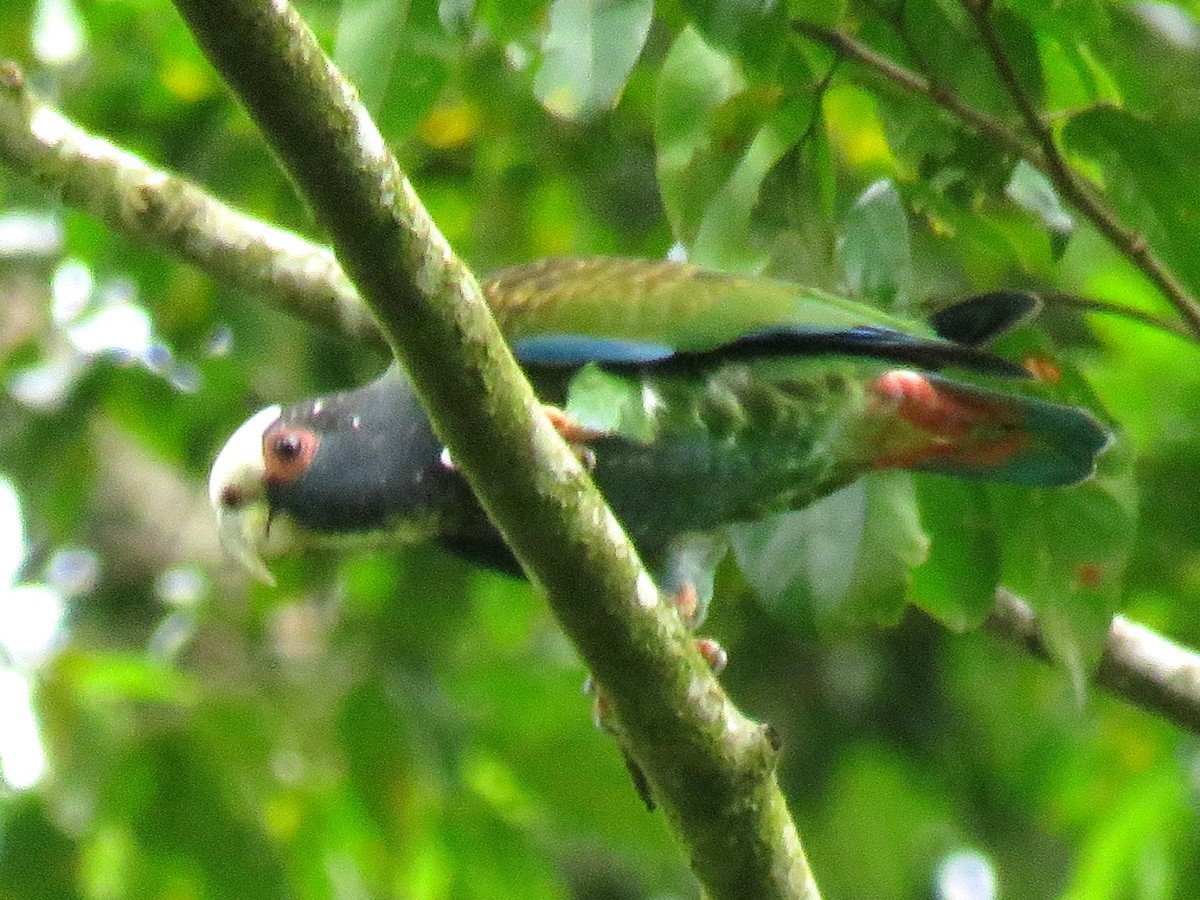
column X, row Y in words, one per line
column 1104, row 307
column 1137, row 664
column 980, row 121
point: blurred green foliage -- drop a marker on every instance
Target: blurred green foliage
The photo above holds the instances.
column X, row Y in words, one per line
column 401, row 725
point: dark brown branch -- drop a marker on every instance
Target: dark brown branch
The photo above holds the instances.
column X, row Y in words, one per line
column 1137, row 665
column 710, row 768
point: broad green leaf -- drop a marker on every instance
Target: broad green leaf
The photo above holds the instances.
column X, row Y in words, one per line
column 1149, row 171
column 753, row 31
column 849, row 555
column 1033, row 191
column 941, row 40
column 609, row 403
column 957, row 582
column 588, row 53
column 694, row 82
column 723, row 239
column 395, row 51
column 1064, row 550
column 1147, row 55
column 369, row 36
column 718, row 138
column 512, row 20
column 819, row 12
column 875, row 249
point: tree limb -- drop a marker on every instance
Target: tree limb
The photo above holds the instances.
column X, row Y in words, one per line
column 712, row 769
column 1042, row 152
column 152, row 206
column 1137, row 665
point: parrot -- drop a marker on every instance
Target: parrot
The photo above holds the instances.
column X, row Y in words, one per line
column 698, row 399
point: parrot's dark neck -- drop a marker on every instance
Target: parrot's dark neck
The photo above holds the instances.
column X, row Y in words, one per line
column 379, row 468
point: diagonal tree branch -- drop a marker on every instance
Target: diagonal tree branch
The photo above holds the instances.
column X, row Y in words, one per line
column 1042, row 152
column 712, row 769
column 152, row 206
column 97, row 181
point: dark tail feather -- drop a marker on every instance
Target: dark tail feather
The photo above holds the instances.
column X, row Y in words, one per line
column 977, row 320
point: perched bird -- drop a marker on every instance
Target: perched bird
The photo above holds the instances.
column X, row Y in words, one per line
column 698, row 399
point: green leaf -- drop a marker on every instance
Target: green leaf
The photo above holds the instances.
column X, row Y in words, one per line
column 753, row 31
column 957, row 583
column 875, row 249
column 723, row 238
column 819, row 12
column 694, row 82
column 511, row 20
column 1149, row 170
column 1033, row 191
column 588, row 53
column 849, row 554
column 1064, row 551
column 395, row 51
column 610, row 403
column 369, row 35
column 718, row 138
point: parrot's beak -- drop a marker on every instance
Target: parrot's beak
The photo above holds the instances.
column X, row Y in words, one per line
column 237, row 491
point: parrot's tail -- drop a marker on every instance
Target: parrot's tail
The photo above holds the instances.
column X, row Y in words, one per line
column 944, row 426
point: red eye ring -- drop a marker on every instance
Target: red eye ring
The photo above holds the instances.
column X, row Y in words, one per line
column 288, row 451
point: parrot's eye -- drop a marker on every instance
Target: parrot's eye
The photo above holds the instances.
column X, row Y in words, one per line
column 232, row 497
column 287, row 451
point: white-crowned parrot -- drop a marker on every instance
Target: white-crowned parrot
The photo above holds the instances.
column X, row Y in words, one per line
column 700, row 399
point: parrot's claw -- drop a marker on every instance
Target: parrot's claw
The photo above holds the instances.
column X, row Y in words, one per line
column 714, row 654
column 687, row 602
column 573, row 432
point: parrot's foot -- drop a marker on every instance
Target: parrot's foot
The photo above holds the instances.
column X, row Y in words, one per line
column 574, row 433
column 687, row 602
column 714, row 654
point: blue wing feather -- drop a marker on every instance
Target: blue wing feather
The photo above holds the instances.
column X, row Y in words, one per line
column 578, row 350
column 573, row 350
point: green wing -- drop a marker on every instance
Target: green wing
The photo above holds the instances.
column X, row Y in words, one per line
column 675, row 304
